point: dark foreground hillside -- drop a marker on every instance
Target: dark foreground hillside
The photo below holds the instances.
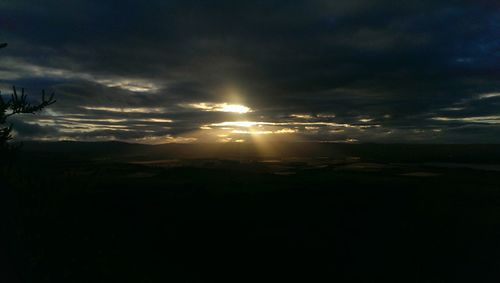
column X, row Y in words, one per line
column 133, row 215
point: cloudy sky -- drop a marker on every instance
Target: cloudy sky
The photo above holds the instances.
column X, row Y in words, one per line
column 234, row 71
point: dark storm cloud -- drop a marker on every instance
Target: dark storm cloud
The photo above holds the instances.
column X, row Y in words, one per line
column 32, row 130
column 398, row 64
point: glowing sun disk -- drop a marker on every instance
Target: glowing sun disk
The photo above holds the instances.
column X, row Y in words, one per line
column 234, row 108
column 220, row 107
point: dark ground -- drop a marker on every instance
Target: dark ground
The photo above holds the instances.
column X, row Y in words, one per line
column 366, row 213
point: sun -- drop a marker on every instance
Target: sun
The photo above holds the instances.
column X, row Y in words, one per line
column 234, row 108
column 220, row 107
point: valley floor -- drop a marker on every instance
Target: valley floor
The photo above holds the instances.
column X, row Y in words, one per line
column 89, row 219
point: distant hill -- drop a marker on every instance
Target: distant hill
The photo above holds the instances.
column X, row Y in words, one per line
column 482, row 153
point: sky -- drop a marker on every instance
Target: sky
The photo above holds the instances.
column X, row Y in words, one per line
column 249, row 71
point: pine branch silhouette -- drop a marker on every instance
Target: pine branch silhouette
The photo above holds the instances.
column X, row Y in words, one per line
column 17, row 104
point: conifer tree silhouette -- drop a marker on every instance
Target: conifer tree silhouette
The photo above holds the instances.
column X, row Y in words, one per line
column 16, row 104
